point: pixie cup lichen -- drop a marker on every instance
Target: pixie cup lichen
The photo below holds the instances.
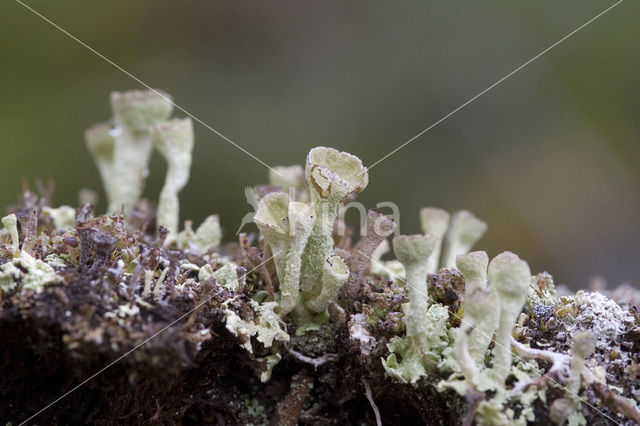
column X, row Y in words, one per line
column 474, row 269
column 10, row 223
column 124, row 170
column 479, row 306
column 414, row 251
column 464, row 231
column 434, row 221
column 272, row 218
column 436, row 335
column 331, row 176
column 174, row 140
column 100, row 143
column 301, row 220
column 511, row 277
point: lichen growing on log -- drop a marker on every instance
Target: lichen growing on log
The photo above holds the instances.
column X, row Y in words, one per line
column 292, row 325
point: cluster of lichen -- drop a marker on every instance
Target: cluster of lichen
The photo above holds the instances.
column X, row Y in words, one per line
column 438, row 306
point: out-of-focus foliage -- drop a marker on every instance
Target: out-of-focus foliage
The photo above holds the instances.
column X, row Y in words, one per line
column 549, row 157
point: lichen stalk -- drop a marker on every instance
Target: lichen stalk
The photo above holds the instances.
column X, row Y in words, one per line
column 511, row 277
column 174, row 140
column 434, row 221
column 134, row 112
column 413, row 251
column 331, row 176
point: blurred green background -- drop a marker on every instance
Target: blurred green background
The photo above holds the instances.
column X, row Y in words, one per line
column 549, row 157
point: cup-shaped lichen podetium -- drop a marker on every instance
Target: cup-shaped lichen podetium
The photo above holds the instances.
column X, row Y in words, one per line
column 301, row 220
column 413, row 251
column 331, row 176
column 134, row 112
column 464, row 231
column 174, row 140
column 478, row 305
column 474, row 269
column 100, row 143
column 511, row 277
column 434, row 221
column 272, row 218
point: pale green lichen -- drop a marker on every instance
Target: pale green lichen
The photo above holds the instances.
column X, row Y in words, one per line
column 511, row 277
column 225, row 276
column 415, row 361
column 269, row 361
column 464, row 231
column 174, row 140
column 428, row 332
column 10, row 223
column 100, row 143
column 301, row 221
column 63, row 217
column 206, row 238
column 28, row 274
column 584, row 344
column 300, row 234
column 434, row 221
column 474, row 269
column 297, row 226
column 267, row 327
column 122, row 148
column 468, row 356
column 414, row 251
column 331, row 176
column 272, row 218
column 334, row 275
column 148, row 279
column 287, row 177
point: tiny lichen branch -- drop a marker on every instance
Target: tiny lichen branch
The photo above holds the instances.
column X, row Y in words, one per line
column 10, row 223
column 511, row 277
column 301, row 220
column 122, row 153
column 473, row 267
column 331, row 176
column 464, row 231
column 174, row 140
column 413, row 251
column 434, row 221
